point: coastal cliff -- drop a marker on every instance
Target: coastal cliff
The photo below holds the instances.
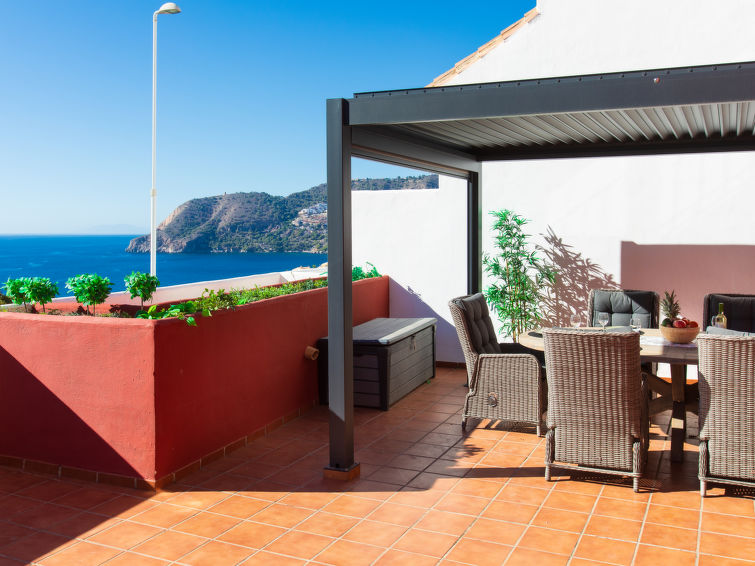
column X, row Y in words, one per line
column 259, row 222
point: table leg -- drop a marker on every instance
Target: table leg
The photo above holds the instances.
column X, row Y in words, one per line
column 678, row 411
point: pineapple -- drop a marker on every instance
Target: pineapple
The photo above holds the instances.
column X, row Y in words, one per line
column 669, row 308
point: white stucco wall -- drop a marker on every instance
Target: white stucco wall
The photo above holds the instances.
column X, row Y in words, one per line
column 663, row 222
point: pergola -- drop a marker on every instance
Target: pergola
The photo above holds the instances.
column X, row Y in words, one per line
column 452, row 130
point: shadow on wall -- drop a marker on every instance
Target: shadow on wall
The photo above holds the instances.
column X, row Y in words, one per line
column 405, row 302
column 576, row 275
column 692, row 271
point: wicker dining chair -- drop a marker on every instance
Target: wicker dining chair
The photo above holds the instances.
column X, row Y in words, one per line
column 597, row 403
column 621, row 304
column 727, row 410
column 505, row 382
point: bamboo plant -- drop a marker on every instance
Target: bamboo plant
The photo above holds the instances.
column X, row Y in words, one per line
column 518, row 276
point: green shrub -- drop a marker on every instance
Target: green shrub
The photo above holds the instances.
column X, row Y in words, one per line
column 90, row 289
column 142, row 285
column 358, row 272
column 40, row 290
column 17, row 290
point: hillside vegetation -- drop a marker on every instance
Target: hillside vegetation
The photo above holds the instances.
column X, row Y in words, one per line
column 259, row 222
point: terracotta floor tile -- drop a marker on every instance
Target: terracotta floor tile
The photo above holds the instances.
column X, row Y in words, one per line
column 239, row 506
column 492, row 530
column 479, row 552
column 624, row 492
column 264, row 558
column 348, row 553
column 206, row 524
column 352, row 506
column 170, row 545
column 327, row 524
column 42, row 516
column 198, row 499
column 427, row 480
column 527, row 557
column 299, row 544
column 253, row 535
column 620, row 508
column 375, row 533
column 125, row 535
column 730, row 505
column 411, row 462
column 728, row 524
column 477, row 488
column 674, row 516
column 671, row 537
column 308, row 499
column 503, row 460
column 611, row 527
column 164, row 515
column 509, row 511
column 707, row 560
column 571, row 521
column 34, row 546
column 449, row 468
column 605, row 550
column 549, row 540
column 401, row 558
column 48, row 490
column 124, row 506
column 467, row 504
column 570, row 501
column 653, row 556
column 727, row 545
column 216, row 553
column 132, row 559
column 82, row 525
column 445, row 522
column 81, row 554
column 85, row 498
column 12, row 504
column 684, row 499
column 522, row 494
column 281, row 515
column 403, row 515
column 10, row 532
column 417, row 498
column 395, row 476
column 424, row 542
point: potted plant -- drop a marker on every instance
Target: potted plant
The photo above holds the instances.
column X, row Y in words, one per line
column 142, row 285
column 519, row 276
column 89, row 289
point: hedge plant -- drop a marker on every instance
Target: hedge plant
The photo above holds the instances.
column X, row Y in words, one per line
column 89, row 289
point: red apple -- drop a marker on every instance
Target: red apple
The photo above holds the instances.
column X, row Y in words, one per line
column 679, row 323
column 692, row 324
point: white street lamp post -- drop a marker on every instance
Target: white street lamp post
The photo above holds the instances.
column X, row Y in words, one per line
column 167, row 8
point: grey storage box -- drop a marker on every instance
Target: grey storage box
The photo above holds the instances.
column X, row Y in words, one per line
column 392, row 357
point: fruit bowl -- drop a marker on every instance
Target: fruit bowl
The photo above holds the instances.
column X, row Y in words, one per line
column 679, row 335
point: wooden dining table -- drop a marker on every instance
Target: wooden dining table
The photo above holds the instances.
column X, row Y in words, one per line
column 677, row 395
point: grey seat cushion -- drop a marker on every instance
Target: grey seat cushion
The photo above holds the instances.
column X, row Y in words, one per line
column 621, row 305
column 727, row 332
column 739, row 310
column 480, row 326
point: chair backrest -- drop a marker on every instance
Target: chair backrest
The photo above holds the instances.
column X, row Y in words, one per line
column 739, row 310
column 594, row 394
column 474, row 327
column 621, row 304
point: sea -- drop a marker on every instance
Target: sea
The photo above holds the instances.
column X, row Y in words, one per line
column 61, row 257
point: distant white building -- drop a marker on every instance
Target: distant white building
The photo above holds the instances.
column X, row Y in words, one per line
column 604, row 220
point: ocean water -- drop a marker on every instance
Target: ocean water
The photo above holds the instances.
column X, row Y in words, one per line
column 60, row 257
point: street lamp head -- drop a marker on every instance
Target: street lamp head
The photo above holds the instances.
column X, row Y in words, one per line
column 168, row 8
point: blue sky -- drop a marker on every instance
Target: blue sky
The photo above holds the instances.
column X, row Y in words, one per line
column 241, row 97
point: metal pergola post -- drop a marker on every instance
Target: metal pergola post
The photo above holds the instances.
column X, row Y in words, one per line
column 474, row 233
column 340, row 348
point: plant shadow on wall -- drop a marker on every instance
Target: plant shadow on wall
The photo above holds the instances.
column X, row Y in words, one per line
column 576, row 276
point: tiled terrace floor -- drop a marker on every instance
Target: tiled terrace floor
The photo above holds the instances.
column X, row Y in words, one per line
column 427, row 495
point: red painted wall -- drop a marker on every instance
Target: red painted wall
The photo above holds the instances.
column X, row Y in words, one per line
column 144, row 398
column 239, row 370
column 78, row 392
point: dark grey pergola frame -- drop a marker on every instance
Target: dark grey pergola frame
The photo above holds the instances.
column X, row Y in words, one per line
column 418, row 128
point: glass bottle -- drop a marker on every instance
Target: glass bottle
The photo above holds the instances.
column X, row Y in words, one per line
column 720, row 319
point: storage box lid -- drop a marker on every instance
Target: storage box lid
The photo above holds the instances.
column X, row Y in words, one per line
column 386, row 331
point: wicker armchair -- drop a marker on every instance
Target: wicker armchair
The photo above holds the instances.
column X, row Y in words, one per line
column 621, row 304
column 727, row 410
column 505, row 381
column 597, row 403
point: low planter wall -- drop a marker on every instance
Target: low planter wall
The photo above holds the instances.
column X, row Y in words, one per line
column 115, row 399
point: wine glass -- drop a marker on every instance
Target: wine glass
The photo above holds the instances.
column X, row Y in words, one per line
column 603, row 319
column 635, row 322
column 576, row 320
